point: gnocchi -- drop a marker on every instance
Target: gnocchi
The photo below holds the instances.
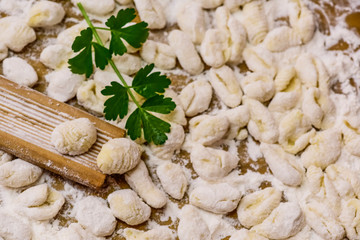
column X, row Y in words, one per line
column 4, row 51
column 5, row 157
column 19, row 71
column 214, row 48
column 162, row 55
column 209, row 4
column 162, row 233
column 281, row 38
column 259, row 60
column 151, row 11
column 191, row 225
column 238, row 118
column 311, row 108
column 350, row 218
column 258, row 86
column 55, row 56
column 98, row 8
column 13, row 228
column 89, row 96
column 45, row 14
column 255, row 22
column 244, row 234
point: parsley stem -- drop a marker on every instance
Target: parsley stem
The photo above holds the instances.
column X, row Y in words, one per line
column 102, row 28
column 98, row 39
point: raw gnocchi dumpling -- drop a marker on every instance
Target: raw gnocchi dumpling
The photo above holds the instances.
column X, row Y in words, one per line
column 95, row 7
column 158, row 233
column 18, row 173
column 282, row 38
column 225, row 85
column 195, row 97
column 15, row 33
column 207, row 129
column 172, row 179
column 324, row 149
column 258, row 86
column 234, row 5
column 89, row 96
column 128, row 207
column 161, row 54
column 191, row 225
column 209, row 4
column 94, row 215
column 55, row 56
column 255, row 22
column 33, row 196
column 350, row 218
column 74, row 137
column 127, row 63
column 13, row 228
column 311, row 108
column 45, row 14
column 191, row 20
column 257, row 206
column 220, row 198
column 19, row 71
column 118, row 155
column 284, row 221
column 244, row 234
column 351, row 138
column 140, row 181
column 286, row 80
column 302, row 20
column 259, row 60
column 4, row 51
column 238, row 118
column 151, row 11
column 306, row 70
column 5, row 157
column 214, row 48
column 75, row 232
column 212, row 164
column 284, row 101
column 177, row 116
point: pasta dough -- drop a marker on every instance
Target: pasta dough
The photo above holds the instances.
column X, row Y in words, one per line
column 19, row 71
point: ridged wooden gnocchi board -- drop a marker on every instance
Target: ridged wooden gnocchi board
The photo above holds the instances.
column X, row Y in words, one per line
column 27, row 119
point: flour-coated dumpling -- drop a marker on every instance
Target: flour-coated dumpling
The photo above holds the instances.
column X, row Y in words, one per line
column 94, row 215
column 161, row 54
column 118, row 155
column 63, row 84
column 172, row 179
column 244, row 234
column 284, row 101
column 75, row 232
column 212, row 164
column 311, row 108
column 128, row 207
column 18, row 173
column 282, row 38
column 257, row 206
column 127, row 63
column 5, row 157
column 219, row 198
column 45, row 14
column 191, row 225
column 140, row 181
column 286, row 80
column 100, row 8
column 324, row 149
column 124, row 2
column 151, row 11
column 284, row 221
column 351, row 138
column 210, row 4
column 350, row 218
column 259, row 60
column 19, row 71
column 255, row 22
column 185, row 51
column 15, row 33
column 225, row 85
column 159, row 233
column 214, row 48
column 238, row 118
column 234, row 5
column 55, row 56
column 13, row 228
column 74, row 137
column 89, row 96
column 302, row 20
column 177, row 116
column 258, row 86
column 33, row 196
column 296, row 145
column 191, row 19
column 346, row 181
column 4, row 51
column 306, row 70
column 195, row 97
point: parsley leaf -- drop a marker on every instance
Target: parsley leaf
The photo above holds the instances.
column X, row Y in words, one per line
column 134, row 124
column 159, row 104
column 148, row 85
column 102, row 56
column 117, row 105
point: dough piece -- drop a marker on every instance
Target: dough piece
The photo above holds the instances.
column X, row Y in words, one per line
column 302, row 20
column 18, row 173
column 220, row 198
column 19, row 71
column 284, row 166
column 324, row 149
column 233, row 5
column 74, row 137
column 285, row 221
column 162, row 55
column 159, row 233
column 55, row 56
column 284, row 101
column 173, row 143
column 34, row 196
column 45, row 14
column 118, row 155
column 257, row 206
column 350, row 218
column 323, row 221
column 140, row 181
column 212, row 164
column 63, row 84
column 128, row 207
column 185, row 51
column 311, row 108
column 12, row 228
column 94, row 215
column 255, row 22
column 151, row 11
column 282, row 38
column 191, row 19
column 306, row 70
column 214, row 48
column 206, row 129
column 76, row 232
column 5, row 157
column 286, row 80
column 195, row 97
column 191, row 225
column 258, row 86
column 124, row 2
column 3, row 51
column 126, row 63
column 172, row 179
column 346, row 182
column 238, row 118
column 226, row 86
column 89, row 96
column 259, row 60
column 244, row 234
column 351, row 138
column 262, row 125
column 95, row 7
column 15, row 33
column 210, row 4
column 177, row 116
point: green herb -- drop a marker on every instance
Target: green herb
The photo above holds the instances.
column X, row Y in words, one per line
column 148, row 84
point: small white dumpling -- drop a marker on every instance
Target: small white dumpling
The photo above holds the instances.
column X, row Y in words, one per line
column 244, row 234
column 286, row 80
column 234, row 5
column 284, row 101
column 220, row 198
column 350, row 218
column 172, row 179
column 128, row 207
column 151, row 12
column 4, row 51
column 306, row 70
column 259, row 60
column 212, row 164
column 161, row 54
column 19, row 71
column 127, row 64
column 191, row 19
column 33, row 196
column 140, row 181
column 55, row 56
column 238, row 118
column 74, row 137
column 257, row 206
column 5, row 157
column 209, row 4
column 18, row 173
column 75, row 232
column 45, row 14
column 214, row 48
column 258, row 86
column 13, row 228
column 89, row 96
column 94, row 215
column 255, row 22
column 159, row 233
column 225, row 85
column 191, row 225
column 302, row 20
column 311, row 108
column 282, row 38
column 95, row 7
column 195, row 97
column 118, row 155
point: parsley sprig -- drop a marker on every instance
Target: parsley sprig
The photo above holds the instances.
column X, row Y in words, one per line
column 148, row 84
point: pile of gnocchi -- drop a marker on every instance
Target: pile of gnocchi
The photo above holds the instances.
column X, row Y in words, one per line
column 246, row 73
